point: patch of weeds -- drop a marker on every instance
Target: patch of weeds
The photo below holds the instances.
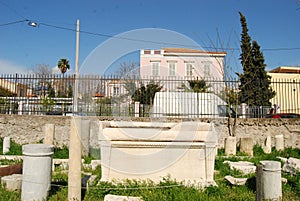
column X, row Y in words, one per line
column 9, row 195
column 15, row 149
column 221, row 152
column 61, row 153
column 10, row 162
column 60, row 194
column 97, row 171
column 59, row 177
column 294, row 182
column 59, row 185
column 88, row 159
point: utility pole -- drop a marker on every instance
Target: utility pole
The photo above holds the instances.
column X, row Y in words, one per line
column 75, row 101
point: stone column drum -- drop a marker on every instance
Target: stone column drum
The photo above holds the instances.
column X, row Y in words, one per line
column 37, row 164
column 271, row 180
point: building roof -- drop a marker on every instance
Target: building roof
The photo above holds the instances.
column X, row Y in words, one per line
column 186, row 50
column 286, row 69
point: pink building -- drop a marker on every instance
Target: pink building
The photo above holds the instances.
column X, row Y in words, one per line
column 181, row 63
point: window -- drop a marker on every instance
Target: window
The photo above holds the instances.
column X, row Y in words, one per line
column 116, row 91
column 206, row 68
column 155, row 68
column 172, row 69
column 189, row 69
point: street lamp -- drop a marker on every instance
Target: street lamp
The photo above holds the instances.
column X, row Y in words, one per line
column 33, row 24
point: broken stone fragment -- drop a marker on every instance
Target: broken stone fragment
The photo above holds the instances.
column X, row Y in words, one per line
column 292, row 165
column 110, row 197
column 236, row 181
column 243, row 166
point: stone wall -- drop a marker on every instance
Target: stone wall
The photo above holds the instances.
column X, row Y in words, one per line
column 25, row 129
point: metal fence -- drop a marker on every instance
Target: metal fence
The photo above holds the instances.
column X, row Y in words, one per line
column 32, row 94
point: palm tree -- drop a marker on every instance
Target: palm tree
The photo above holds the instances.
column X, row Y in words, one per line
column 198, row 86
column 63, row 65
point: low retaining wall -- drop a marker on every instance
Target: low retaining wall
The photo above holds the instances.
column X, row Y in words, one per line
column 25, row 129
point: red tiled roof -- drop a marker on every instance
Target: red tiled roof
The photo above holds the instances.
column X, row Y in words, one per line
column 286, row 69
column 186, row 50
column 99, row 95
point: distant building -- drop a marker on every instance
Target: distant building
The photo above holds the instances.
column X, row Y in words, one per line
column 115, row 88
column 286, row 83
column 181, row 63
column 16, row 88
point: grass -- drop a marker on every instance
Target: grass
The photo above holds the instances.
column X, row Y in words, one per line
column 169, row 189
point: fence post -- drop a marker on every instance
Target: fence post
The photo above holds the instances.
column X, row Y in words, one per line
column 136, row 109
column 20, row 108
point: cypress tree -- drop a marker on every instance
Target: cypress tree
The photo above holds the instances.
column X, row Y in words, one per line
column 262, row 81
column 254, row 82
column 247, row 64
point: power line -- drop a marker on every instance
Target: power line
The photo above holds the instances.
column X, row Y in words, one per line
column 119, row 37
column 147, row 41
column 12, row 9
column 164, row 43
column 15, row 22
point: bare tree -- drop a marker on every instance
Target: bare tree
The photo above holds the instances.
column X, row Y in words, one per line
column 128, row 70
column 42, row 69
column 43, row 86
column 128, row 74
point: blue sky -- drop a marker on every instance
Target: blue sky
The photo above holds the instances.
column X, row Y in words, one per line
column 210, row 23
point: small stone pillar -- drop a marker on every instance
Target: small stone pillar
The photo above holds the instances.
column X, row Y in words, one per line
column 37, row 171
column 247, row 146
column 230, row 146
column 136, row 109
column 244, row 110
column 279, row 142
column 267, row 146
column 85, row 136
column 271, row 180
column 74, row 176
column 49, row 134
column 210, row 154
column 6, row 145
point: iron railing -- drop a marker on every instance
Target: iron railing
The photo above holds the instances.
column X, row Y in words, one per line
column 28, row 94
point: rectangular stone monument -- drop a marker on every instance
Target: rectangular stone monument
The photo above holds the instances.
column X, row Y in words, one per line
column 246, row 145
column 183, row 151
